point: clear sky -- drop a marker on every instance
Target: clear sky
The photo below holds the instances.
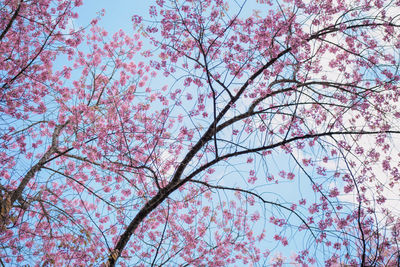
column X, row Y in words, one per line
column 118, row 12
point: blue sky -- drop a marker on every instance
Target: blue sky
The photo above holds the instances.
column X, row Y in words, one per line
column 118, row 12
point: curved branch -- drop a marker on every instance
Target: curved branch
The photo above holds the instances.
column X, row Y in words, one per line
column 257, row 196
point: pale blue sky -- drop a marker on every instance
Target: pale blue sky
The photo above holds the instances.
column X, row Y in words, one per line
column 118, row 12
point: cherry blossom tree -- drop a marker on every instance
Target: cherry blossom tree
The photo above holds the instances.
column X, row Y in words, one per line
column 237, row 136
